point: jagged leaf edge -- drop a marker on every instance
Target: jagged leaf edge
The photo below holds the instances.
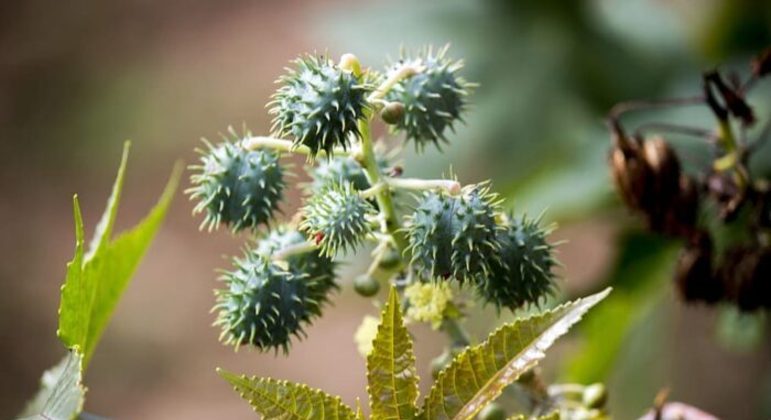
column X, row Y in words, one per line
column 391, row 324
column 513, row 368
column 244, row 385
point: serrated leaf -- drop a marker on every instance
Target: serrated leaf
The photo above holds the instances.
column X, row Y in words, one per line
column 391, row 374
column 274, row 399
column 94, row 284
column 478, row 375
column 359, row 411
column 61, row 393
column 77, row 291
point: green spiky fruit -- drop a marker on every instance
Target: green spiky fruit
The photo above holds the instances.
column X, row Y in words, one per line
column 265, row 304
column 455, row 236
column 338, row 169
column 433, row 99
column 316, row 266
column 523, row 275
column 319, row 105
column 236, row 187
column 336, row 218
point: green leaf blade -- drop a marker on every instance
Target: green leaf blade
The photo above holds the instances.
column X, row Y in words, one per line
column 391, row 374
column 478, row 375
column 119, row 260
column 103, row 229
column 74, row 288
column 274, row 399
column 61, row 393
column 94, row 283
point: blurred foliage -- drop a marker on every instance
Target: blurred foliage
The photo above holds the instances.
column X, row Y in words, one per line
column 640, row 274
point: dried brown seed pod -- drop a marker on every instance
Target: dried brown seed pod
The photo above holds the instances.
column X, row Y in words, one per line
column 746, row 271
column 694, row 276
column 649, row 179
column 630, row 172
column 665, row 165
column 682, row 211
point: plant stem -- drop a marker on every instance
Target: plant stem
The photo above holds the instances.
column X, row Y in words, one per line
column 452, row 187
column 373, row 191
column 260, row 142
column 730, row 160
column 623, row 107
column 404, row 72
column 391, row 225
column 383, row 197
column 300, row 248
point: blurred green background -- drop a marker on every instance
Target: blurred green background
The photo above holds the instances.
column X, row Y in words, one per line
column 77, row 78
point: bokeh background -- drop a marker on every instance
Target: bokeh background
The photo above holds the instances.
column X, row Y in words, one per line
column 78, row 78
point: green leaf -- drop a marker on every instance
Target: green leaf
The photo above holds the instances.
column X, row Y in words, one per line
column 74, row 290
column 391, row 374
column 639, row 276
column 104, row 227
column 94, row 283
column 61, row 393
column 274, row 399
column 478, row 375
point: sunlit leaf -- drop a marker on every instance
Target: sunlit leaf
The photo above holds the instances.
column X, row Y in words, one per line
column 94, row 284
column 274, row 399
column 393, row 381
column 103, row 229
column 478, row 375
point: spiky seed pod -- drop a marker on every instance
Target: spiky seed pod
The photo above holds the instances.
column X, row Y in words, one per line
column 337, row 218
column 237, row 187
column 523, row 275
column 319, row 104
column 433, row 99
column 341, row 169
column 316, row 266
column 455, row 236
column 264, row 305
